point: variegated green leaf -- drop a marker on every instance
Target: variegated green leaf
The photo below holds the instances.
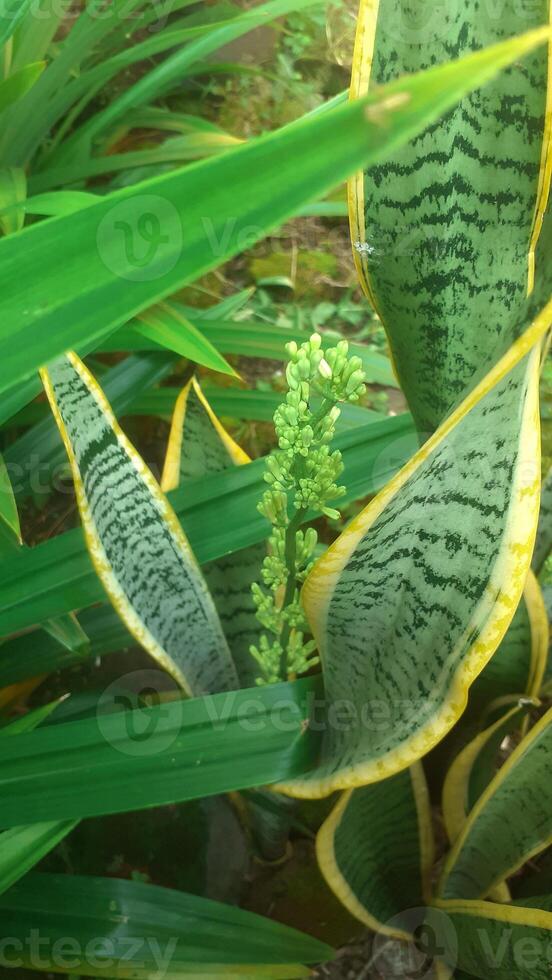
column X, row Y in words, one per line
column 519, row 663
column 199, row 445
column 473, row 770
column 410, row 603
column 505, row 942
column 135, row 540
column 444, row 232
column 543, row 544
column 511, row 821
column 376, row 850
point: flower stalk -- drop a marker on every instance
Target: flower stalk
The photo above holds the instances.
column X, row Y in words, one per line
column 302, row 476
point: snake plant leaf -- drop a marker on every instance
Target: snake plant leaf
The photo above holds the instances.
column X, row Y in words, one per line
column 38, row 456
column 425, row 223
column 473, row 770
column 200, row 445
column 411, row 601
column 57, row 576
column 519, row 664
column 126, row 928
column 23, row 847
column 8, row 507
column 546, row 686
column 77, row 292
column 169, row 328
column 376, row 850
column 117, row 762
column 510, row 823
column 543, row 544
column 136, row 543
column 507, row 942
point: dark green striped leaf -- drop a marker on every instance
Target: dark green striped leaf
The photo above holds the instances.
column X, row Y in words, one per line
column 38, row 456
column 376, row 850
column 57, row 576
column 410, row 603
column 135, row 541
column 511, row 821
column 506, row 942
column 199, row 445
column 426, row 222
column 543, row 544
column 473, row 769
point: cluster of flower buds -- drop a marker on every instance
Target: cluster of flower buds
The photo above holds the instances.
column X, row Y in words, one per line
column 343, row 375
column 301, row 474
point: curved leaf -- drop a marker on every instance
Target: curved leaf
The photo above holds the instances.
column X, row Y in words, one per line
column 410, row 603
column 199, row 445
column 511, row 821
column 376, row 850
column 135, row 541
column 473, row 770
column 506, row 942
column 519, row 663
column 543, row 544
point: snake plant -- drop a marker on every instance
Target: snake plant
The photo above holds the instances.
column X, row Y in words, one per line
column 426, row 617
